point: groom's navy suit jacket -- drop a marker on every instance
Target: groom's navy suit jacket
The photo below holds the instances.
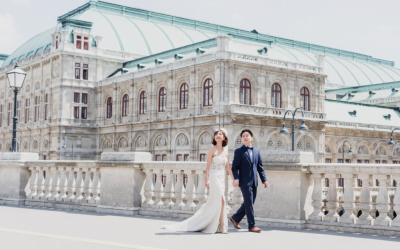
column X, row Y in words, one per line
column 245, row 169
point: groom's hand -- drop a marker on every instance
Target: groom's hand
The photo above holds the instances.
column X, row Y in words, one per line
column 235, row 183
column 265, row 184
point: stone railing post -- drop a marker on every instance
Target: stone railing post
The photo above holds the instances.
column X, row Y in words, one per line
column 179, row 190
column 158, row 189
column 148, row 188
column 63, row 185
column 78, row 185
column 95, row 187
column 87, row 185
column 201, row 189
column 383, row 202
column 33, row 183
column 48, row 183
column 348, row 199
column 365, row 200
column 396, row 202
column 332, row 198
column 40, row 184
column 190, row 191
column 169, row 189
column 317, row 198
column 70, row 184
column 55, row 183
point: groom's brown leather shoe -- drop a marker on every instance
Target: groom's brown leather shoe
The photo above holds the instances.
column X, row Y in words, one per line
column 255, row 230
column 235, row 224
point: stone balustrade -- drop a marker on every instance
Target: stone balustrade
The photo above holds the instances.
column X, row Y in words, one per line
column 298, row 197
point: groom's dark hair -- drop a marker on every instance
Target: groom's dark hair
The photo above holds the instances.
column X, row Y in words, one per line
column 246, row 130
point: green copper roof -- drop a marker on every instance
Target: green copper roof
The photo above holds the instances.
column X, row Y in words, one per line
column 147, row 33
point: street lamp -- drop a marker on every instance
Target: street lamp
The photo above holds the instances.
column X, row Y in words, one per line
column 16, row 78
column 391, row 142
column 65, row 145
column 302, row 128
column 350, row 151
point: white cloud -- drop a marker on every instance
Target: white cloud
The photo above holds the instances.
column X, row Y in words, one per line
column 10, row 36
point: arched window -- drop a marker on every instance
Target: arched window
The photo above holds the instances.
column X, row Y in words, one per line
column 109, row 107
column 245, row 92
column 143, row 102
column 184, row 96
column 208, row 93
column 276, row 94
column 305, row 99
column 162, row 100
column 125, row 104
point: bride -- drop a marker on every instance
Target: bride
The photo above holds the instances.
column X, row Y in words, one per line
column 211, row 217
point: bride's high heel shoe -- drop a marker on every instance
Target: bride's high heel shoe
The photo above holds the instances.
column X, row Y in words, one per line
column 222, row 230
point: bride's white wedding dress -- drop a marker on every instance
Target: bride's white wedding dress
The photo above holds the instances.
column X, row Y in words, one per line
column 206, row 219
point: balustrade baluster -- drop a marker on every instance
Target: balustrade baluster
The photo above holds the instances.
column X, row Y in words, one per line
column 190, row 191
column 87, row 186
column 158, row 189
column 95, row 187
column 40, row 184
column 332, row 203
column 237, row 198
column 396, row 202
column 47, row 183
column 317, row 198
column 365, row 204
column 179, row 190
column 70, row 185
column 349, row 199
column 33, row 183
column 201, row 189
column 169, row 189
column 63, row 185
column 55, row 183
column 148, row 188
column 383, row 202
column 78, row 186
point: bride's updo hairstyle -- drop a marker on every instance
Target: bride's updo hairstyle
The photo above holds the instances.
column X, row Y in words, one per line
column 225, row 141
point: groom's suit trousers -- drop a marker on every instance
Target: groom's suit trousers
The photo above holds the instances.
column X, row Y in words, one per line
column 249, row 197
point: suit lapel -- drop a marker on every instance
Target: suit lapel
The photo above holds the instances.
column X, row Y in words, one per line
column 246, row 152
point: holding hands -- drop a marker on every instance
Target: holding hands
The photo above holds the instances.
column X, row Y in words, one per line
column 235, row 183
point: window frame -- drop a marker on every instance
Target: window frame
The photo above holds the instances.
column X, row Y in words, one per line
column 85, row 43
column 207, row 102
column 78, row 42
column 274, row 93
column 84, row 117
column 78, row 70
column 204, row 157
column 109, row 108
column 245, row 88
column 37, row 108
column 125, row 105
column 162, row 157
column 186, row 156
column 86, row 95
column 162, row 99
column 79, row 97
column 142, row 102
column 185, row 93
column 177, row 157
column 76, row 108
column 85, row 68
column 302, row 96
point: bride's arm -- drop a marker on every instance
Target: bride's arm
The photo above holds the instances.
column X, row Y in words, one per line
column 209, row 159
column 228, row 167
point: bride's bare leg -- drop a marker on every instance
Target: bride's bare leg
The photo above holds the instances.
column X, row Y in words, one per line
column 221, row 217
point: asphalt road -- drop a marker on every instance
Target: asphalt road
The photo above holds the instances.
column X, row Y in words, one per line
column 40, row 228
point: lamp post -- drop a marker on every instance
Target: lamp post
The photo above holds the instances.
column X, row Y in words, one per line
column 65, row 145
column 16, row 78
column 391, row 142
column 350, row 151
column 302, row 128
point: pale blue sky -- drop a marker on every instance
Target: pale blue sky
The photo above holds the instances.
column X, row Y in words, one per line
column 369, row 27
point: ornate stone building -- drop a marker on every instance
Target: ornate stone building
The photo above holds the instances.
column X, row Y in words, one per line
column 116, row 78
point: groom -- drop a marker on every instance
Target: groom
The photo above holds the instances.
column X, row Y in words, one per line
column 246, row 163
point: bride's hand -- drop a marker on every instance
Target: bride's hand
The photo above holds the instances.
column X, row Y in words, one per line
column 207, row 184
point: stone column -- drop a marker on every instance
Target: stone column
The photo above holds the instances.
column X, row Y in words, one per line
column 148, row 188
column 348, row 199
column 158, row 189
column 332, row 197
column 383, row 202
column 55, row 183
column 63, row 185
column 365, row 200
column 179, row 190
column 169, row 189
column 190, row 191
column 317, row 198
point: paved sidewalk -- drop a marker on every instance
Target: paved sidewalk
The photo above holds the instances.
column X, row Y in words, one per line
column 35, row 228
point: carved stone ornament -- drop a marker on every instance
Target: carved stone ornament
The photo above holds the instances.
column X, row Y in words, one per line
column 2, row 95
column 182, row 140
column 56, row 70
column 238, row 142
column 363, row 150
column 327, row 149
column 161, row 141
column 381, row 151
column 396, row 151
column 108, row 144
column 35, row 144
column 27, row 89
column 123, row 143
column 141, row 142
column 45, row 144
column 207, row 139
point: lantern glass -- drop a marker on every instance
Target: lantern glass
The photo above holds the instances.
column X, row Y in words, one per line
column 16, row 78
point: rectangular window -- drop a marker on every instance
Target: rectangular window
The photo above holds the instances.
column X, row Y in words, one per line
column 326, row 182
column 394, row 162
column 348, row 161
column 340, row 182
column 1, row 116
column 84, row 98
column 27, row 104
column 377, row 182
column 179, row 157
column 186, row 157
column 85, row 72
column 359, row 182
column 158, row 158
column 76, row 112
column 366, row 161
column 84, row 112
column 384, row 162
column 164, row 157
column 340, row 161
column 359, row 161
column 202, row 157
column 77, row 73
column 327, row 160
column 37, row 105
column 86, row 43
column 9, row 114
column 56, row 42
column 377, row 162
column 76, row 97
column 46, row 99
column 78, row 42
column 46, row 110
